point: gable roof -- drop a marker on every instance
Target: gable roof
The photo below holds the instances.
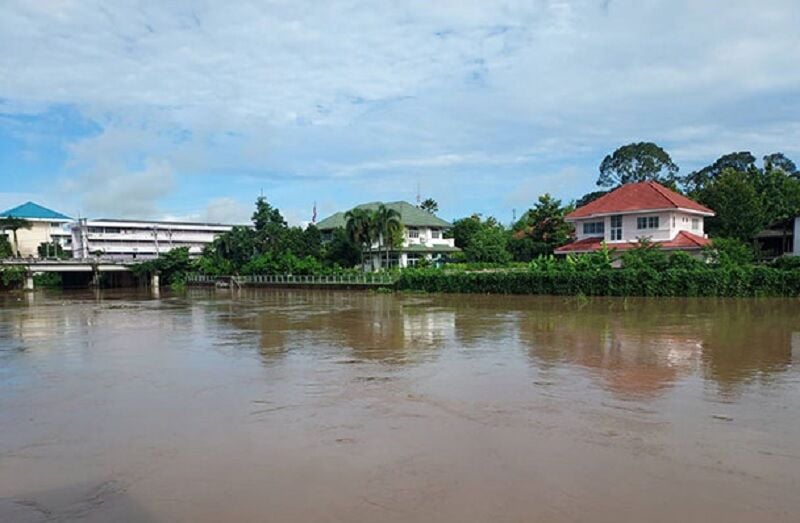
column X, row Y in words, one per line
column 683, row 241
column 410, row 215
column 634, row 197
column 34, row 211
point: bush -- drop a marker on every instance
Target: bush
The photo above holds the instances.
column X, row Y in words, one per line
column 791, row 263
column 675, row 281
column 729, row 252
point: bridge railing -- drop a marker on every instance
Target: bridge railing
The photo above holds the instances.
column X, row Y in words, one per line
column 290, row 279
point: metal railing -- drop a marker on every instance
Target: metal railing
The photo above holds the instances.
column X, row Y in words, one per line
column 289, row 279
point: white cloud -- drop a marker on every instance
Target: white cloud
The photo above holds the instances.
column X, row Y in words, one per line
column 301, row 91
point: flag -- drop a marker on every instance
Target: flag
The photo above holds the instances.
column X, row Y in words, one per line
column 314, row 214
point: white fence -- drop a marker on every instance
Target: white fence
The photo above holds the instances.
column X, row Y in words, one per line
column 289, row 279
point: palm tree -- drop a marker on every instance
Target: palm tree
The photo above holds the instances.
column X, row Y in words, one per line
column 429, row 205
column 13, row 224
column 388, row 226
column 359, row 229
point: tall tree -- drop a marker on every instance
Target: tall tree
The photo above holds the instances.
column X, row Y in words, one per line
column 737, row 203
column 637, row 162
column 387, row 224
column 779, row 161
column 696, row 181
column 359, row 227
column 430, row 205
column 464, row 229
column 544, row 227
column 13, row 224
column 270, row 227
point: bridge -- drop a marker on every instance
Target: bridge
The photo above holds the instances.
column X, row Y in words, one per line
column 93, row 267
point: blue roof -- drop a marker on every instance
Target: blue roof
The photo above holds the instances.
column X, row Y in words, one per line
column 33, row 211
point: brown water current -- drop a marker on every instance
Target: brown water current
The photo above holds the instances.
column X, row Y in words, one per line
column 305, row 406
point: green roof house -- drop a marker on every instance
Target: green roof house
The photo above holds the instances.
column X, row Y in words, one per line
column 423, row 235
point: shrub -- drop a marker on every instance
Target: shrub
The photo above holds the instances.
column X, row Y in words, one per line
column 675, row 281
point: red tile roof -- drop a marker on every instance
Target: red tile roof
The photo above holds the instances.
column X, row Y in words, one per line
column 644, row 196
column 683, row 241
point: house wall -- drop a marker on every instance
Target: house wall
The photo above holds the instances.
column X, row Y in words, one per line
column 30, row 239
column 796, row 246
column 670, row 224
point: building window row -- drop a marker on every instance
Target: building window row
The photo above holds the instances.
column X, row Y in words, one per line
column 594, row 228
column 647, row 222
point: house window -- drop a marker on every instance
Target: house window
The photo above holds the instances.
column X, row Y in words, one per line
column 413, row 233
column 616, row 227
column 594, row 228
column 435, row 234
column 647, row 222
column 695, row 224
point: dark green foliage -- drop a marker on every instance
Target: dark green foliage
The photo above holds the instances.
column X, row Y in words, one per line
column 735, row 199
column 12, row 276
column 430, row 205
column 724, row 282
column 698, row 180
column 589, row 198
column 283, row 263
column 341, row 251
column 729, row 252
column 172, row 267
column 541, row 229
column 47, row 280
column 489, row 244
column 6, row 251
column 637, row 162
column 791, row 263
column 464, row 229
column 51, row 250
column 779, row 161
column 645, row 255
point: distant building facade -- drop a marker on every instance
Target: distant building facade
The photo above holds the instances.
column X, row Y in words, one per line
column 635, row 211
column 423, row 236
column 46, row 226
column 139, row 239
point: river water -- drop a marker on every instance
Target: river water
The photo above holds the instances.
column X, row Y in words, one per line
column 306, row 406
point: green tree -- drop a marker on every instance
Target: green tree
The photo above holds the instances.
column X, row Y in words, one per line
column 488, row 245
column 464, row 229
column 270, row 227
column 589, row 198
column 51, row 250
column 637, row 162
column 544, row 226
column 13, row 224
column 779, row 161
column 646, row 254
column 386, row 222
column 6, row 251
column 430, row 205
column 359, row 228
column 341, row 250
column 729, row 252
column 697, row 181
column 737, row 203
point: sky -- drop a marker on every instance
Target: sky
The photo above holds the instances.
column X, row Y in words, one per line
column 192, row 109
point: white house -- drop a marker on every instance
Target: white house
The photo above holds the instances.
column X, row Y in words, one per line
column 135, row 239
column 45, row 226
column 423, row 235
column 635, row 211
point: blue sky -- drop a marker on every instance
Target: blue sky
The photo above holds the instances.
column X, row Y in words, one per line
column 179, row 109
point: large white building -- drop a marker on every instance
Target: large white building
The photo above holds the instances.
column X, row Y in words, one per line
column 136, row 239
column 423, row 236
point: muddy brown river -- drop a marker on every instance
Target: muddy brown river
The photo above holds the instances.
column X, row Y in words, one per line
column 307, row 406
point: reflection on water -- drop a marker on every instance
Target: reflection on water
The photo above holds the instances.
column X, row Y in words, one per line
column 225, row 405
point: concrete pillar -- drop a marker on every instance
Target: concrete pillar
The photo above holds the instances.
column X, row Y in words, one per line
column 95, row 278
column 154, row 280
column 28, row 281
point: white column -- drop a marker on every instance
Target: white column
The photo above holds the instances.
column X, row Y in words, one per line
column 796, row 247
